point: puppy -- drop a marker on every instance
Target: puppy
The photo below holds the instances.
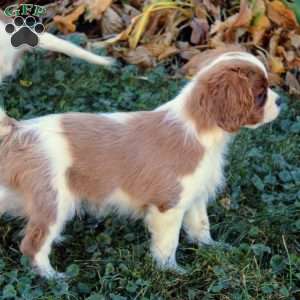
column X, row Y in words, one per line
column 163, row 165
column 10, row 56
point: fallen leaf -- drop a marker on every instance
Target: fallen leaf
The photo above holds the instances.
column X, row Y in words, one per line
column 276, row 64
column 199, row 31
column 111, row 22
column 232, row 28
column 140, row 56
column 295, row 40
column 66, row 23
column 273, row 43
column 212, row 9
column 260, row 25
column 240, row 20
column 281, row 15
column 226, row 202
column 295, row 7
column 292, row 83
column 188, row 53
column 294, row 64
column 259, row 8
column 168, row 51
column 205, row 7
column 275, row 79
column 96, row 8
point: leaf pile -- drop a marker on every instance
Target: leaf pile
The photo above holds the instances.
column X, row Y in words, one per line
column 147, row 32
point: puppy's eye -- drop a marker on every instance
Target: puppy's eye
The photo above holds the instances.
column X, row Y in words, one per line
column 261, row 99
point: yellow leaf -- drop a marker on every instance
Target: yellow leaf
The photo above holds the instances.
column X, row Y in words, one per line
column 276, row 64
column 281, row 15
column 259, row 27
column 66, row 23
column 25, row 83
column 96, row 8
column 144, row 18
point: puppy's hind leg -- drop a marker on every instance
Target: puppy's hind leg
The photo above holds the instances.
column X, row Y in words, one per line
column 47, row 218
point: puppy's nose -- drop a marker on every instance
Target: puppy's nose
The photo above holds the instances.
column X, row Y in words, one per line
column 279, row 101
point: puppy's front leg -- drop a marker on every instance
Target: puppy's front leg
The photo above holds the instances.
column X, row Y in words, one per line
column 196, row 223
column 165, row 228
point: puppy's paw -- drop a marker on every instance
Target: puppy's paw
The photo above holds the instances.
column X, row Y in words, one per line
column 205, row 239
column 172, row 267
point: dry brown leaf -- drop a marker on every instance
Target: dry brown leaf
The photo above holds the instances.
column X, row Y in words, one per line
column 273, row 43
column 281, row 15
column 226, row 202
column 274, row 79
column 259, row 28
column 192, row 66
column 111, row 22
column 66, row 23
column 212, row 9
column 188, row 53
column 206, row 7
column 168, row 51
column 241, row 20
column 232, row 28
column 128, row 12
column 200, row 30
column 96, row 8
column 295, row 40
column 140, row 56
column 276, row 64
column 292, row 83
column 294, row 64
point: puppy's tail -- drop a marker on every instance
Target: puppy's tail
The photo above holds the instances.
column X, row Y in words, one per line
column 7, row 124
column 50, row 42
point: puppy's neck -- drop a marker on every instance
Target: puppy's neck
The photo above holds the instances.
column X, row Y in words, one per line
column 194, row 117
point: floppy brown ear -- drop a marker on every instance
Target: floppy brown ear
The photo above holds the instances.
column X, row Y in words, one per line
column 231, row 97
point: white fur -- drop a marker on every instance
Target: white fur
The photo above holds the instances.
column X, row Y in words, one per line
column 50, row 42
column 271, row 109
column 235, row 56
column 9, row 55
column 55, row 146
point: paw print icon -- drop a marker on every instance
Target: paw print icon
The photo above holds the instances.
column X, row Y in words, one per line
column 24, row 31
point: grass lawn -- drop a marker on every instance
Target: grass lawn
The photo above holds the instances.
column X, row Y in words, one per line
column 258, row 213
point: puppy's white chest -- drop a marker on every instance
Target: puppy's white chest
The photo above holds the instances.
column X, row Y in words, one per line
column 206, row 179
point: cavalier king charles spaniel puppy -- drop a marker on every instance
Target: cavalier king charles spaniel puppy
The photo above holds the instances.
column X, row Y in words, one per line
column 164, row 165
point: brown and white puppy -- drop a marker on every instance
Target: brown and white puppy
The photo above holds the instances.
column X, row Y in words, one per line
column 10, row 56
column 164, row 165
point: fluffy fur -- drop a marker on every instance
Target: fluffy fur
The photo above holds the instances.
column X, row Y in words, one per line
column 10, row 56
column 163, row 165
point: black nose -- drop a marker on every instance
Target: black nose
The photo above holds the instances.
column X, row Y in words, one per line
column 279, row 101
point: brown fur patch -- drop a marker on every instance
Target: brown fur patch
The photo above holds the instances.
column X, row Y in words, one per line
column 225, row 97
column 144, row 157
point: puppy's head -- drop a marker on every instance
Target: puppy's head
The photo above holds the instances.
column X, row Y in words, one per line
column 233, row 91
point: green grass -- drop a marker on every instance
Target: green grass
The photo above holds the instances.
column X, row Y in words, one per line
column 258, row 213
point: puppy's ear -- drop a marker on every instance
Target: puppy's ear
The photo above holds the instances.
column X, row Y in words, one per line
column 231, row 96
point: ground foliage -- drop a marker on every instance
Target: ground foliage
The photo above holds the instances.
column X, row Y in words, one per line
column 258, row 213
